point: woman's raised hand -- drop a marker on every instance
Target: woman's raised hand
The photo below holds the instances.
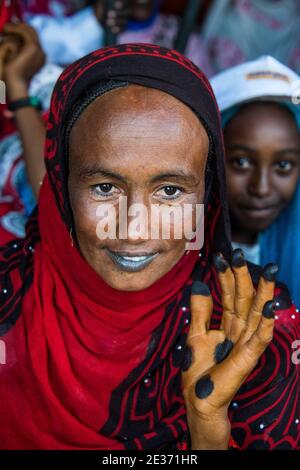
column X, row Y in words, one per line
column 26, row 58
column 217, row 362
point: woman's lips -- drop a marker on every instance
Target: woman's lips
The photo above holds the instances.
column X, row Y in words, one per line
column 259, row 212
column 133, row 262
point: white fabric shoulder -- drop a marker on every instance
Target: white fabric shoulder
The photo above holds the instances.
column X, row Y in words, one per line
column 43, row 83
column 66, row 39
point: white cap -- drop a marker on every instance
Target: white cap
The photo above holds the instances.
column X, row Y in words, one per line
column 256, row 80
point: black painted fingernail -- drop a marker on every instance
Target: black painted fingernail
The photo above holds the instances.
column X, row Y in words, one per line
column 220, row 263
column 188, row 358
column 223, row 350
column 238, row 259
column 198, row 288
column 270, row 271
column 269, row 309
column 204, row 387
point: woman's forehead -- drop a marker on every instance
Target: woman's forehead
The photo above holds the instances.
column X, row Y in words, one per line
column 140, row 116
column 263, row 118
column 130, row 132
column 133, row 102
column 270, row 110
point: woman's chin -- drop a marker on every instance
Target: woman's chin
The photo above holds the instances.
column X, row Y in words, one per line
column 129, row 282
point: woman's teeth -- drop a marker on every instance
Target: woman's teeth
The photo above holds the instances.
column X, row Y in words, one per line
column 135, row 258
column 131, row 263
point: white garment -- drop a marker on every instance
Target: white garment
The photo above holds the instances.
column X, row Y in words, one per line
column 237, row 31
column 67, row 38
column 256, row 80
column 43, row 82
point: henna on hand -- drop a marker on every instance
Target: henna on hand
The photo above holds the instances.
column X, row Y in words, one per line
column 217, row 362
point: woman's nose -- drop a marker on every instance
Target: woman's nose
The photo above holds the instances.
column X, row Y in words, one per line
column 260, row 183
column 138, row 220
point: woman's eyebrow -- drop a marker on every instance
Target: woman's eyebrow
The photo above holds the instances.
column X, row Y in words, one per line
column 249, row 149
column 240, row 147
column 178, row 176
column 294, row 150
column 90, row 172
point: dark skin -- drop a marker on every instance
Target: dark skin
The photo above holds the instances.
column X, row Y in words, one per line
column 116, row 18
column 263, row 165
column 139, row 135
column 107, row 137
column 141, row 9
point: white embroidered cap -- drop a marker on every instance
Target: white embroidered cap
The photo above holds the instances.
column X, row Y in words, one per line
column 259, row 79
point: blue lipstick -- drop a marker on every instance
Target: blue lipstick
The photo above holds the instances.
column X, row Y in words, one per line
column 131, row 263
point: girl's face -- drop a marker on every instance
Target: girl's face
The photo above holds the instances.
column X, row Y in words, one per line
column 262, row 144
column 144, row 145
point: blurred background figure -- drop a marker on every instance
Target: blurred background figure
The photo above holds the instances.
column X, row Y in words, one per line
column 215, row 34
column 29, row 85
column 262, row 141
column 69, row 30
column 241, row 30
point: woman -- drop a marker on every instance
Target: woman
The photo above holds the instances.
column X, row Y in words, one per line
column 97, row 330
column 261, row 122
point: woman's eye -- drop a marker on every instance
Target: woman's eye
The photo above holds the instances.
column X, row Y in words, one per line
column 169, row 192
column 241, row 163
column 284, row 166
column 103, row 189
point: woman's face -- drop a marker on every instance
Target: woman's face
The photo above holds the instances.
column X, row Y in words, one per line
column 147, row 146
column 262, row 164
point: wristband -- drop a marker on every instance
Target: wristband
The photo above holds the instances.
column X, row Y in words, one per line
column 32, row 101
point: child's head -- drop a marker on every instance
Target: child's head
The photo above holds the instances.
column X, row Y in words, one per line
column 261, row 126
column 262, row 143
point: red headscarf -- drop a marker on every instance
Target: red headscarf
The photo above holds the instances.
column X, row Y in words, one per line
column 90, row 367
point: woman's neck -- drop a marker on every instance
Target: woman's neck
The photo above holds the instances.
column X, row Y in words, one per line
column 242, row 236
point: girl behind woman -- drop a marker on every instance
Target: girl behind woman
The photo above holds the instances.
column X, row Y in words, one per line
column 261, row 123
